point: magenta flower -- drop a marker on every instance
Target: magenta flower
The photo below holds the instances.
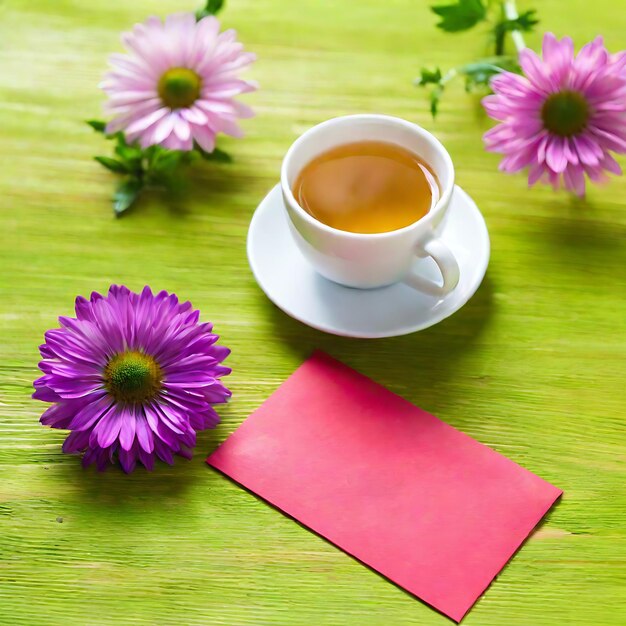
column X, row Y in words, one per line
column 561, row 119
column 177, row 83
column 133, row 376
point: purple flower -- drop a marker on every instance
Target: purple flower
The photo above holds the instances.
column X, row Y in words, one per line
column 177, row 83
column 133, row 376
column 563, row 117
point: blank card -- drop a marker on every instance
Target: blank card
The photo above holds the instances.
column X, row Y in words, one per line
column 425, row 505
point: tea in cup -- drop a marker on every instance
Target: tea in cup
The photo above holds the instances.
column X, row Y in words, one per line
column 364, row 195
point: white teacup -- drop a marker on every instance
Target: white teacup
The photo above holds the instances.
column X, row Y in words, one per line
column 372, row 260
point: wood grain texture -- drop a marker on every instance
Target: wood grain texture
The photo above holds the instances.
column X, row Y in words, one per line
column 533, row 366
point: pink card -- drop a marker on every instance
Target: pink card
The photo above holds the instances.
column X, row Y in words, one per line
column 423, row 504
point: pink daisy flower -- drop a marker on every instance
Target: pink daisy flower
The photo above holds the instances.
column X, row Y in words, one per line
column 177, row 84
column 563, row 117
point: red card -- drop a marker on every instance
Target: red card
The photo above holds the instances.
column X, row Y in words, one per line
column 423, row 504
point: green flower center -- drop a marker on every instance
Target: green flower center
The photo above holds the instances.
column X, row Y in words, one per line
column 179, row 87
column 132, row 377
column 565, row 113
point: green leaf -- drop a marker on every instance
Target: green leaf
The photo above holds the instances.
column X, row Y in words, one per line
column 524, row 22
column 213, row 7
column 429, row 77
column 477, row 74
column 432, row 77
column 436, row 78
column 150, row 153
column 217, row 155
column 527, row 20
column 167, row 160
column 121, row 138
column 130, row 154
column 112, row 164
column 480, row 73
column 435, row 96
column 191, row 156
column 462, row 15
column 98, row 125
column 126, row 194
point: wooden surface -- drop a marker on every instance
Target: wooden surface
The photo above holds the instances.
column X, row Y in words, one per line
column 533, row 366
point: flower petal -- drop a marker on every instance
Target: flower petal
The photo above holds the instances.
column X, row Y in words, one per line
column 128, row 460
column 205, row 137
column 181, row 128
column 610, row 164
column 108, row 428
column 144, row 434
column 535, row 69
column 574, row 179
column 145, row 121
column 555, row 155
column 127, row 428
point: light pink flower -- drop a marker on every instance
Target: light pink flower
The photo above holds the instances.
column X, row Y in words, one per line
column 563, row 116
column 177, row 83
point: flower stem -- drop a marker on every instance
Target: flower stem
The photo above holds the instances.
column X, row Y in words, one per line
column 510, row 12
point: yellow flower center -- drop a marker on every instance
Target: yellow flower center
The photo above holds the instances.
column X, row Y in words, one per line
column 132, row 377
column 565, row 113
column 179, row 87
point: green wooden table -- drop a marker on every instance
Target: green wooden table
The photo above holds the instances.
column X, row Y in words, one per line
column 533, row 366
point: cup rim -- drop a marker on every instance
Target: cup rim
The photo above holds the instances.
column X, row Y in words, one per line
column 389, row 119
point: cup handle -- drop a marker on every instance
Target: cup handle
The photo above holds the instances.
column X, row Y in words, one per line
column 447, row 264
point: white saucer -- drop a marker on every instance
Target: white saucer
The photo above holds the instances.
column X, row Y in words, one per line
column 295, row 287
